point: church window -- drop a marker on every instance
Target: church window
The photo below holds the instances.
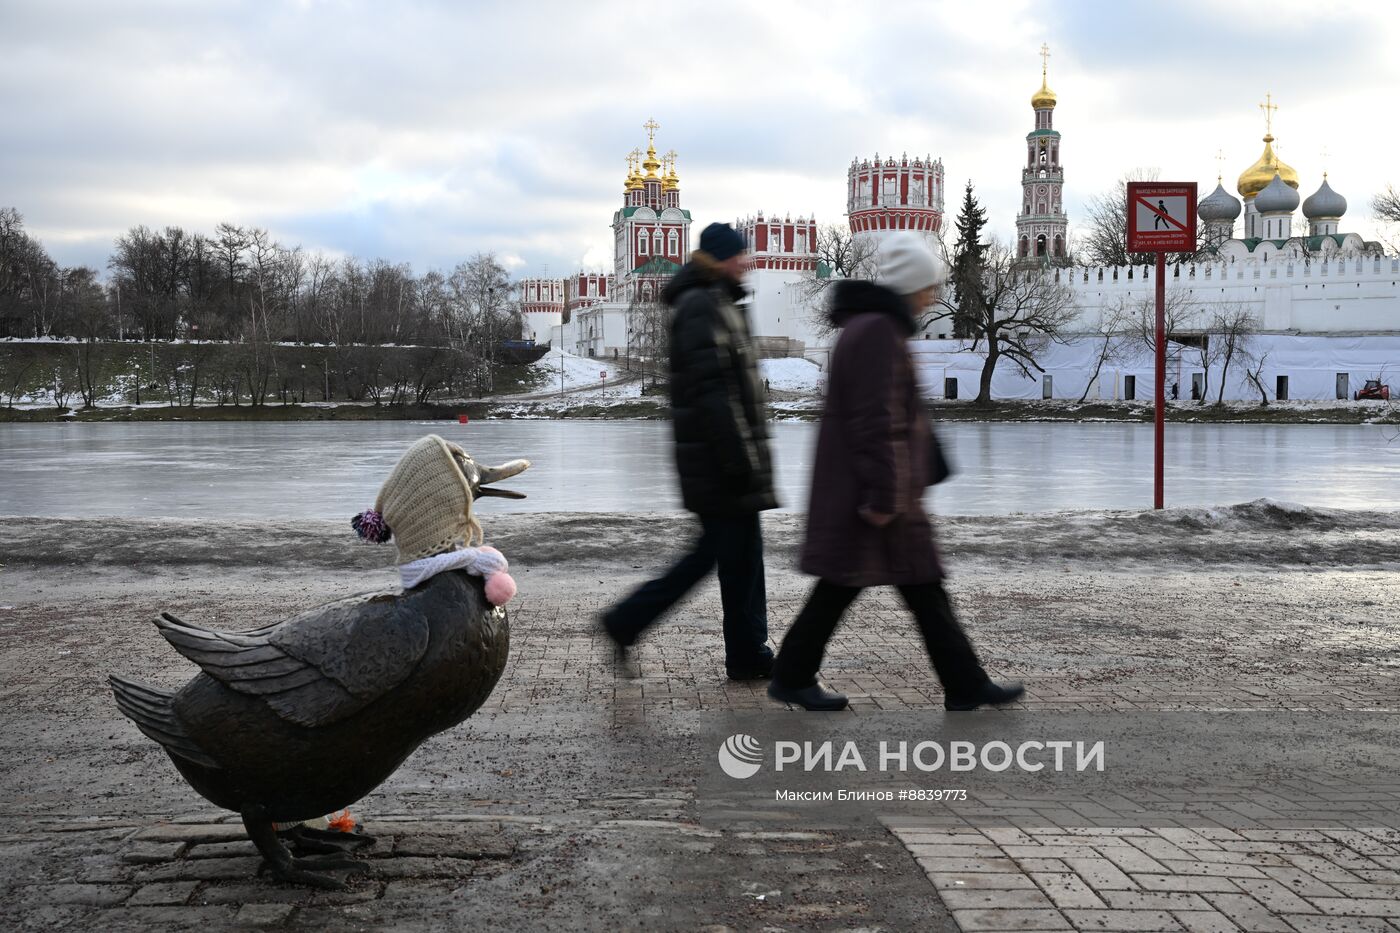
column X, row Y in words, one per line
column 890, row 192
column 1025, row 247
column 775, row 239
column 801, row 243
column 656, row 243
column 671, row 244
column 1059, row 246
column 1040, row 245
column 641, row 242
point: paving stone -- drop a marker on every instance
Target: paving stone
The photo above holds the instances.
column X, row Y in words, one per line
column 980, row 880
column 1275, row 896
column 1247, row 913
column 1010, row 919
column 1356, row 907
column 163, row 894
column 151, row 853
column 408, row 890
column 88, row 895
column 1313, row 923
column 955, row 899
column 1067, row 890
column 222, row 849
column 1304, row 884
column 1101, row 874
column 1154, row 900
column 952, row 851
column 932, row 865
column 1187, row 883
column 189, row 832
column 1125, row 920
column 209, row 869
column 1204, row 921
column 263, row 914
column 260, row 893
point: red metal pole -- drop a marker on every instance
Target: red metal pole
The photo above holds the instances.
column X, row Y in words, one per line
column 1161, row 413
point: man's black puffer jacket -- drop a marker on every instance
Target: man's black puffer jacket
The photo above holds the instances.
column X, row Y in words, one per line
column 716, row 399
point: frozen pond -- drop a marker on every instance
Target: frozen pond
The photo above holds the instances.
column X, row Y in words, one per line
column 333, row 469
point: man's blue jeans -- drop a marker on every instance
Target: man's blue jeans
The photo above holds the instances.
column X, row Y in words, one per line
column 734, row 543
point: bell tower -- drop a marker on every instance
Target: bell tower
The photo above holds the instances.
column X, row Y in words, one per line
column 1041, row 227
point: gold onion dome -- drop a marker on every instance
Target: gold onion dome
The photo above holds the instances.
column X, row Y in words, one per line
column 1044, row 97
column 1257, row 177
column 671, row 182
column 650, row 163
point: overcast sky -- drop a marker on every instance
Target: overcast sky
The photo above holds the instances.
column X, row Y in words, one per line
column 425, row 132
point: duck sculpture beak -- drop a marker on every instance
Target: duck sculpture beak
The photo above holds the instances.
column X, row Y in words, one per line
column 480, row 478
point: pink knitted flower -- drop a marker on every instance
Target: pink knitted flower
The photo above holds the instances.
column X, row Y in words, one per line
column 500, row 587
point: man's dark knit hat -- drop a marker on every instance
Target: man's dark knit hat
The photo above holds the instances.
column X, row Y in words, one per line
column 721, row 241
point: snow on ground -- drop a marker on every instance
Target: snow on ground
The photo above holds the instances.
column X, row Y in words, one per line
column 579, row 371
column 791, row 375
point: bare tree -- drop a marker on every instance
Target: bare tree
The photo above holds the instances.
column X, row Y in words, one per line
column 1023, row 308
column 1233, row 325
column 1386, row 207
column 1110, row 334
column 840, row 255
column 1254, row 372
column 1103, row 239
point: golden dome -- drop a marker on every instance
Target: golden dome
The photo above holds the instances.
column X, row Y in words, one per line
column 1045, row 97
column 650, row 163
column 671, row 182
column 634, row 177
column 1257, row 177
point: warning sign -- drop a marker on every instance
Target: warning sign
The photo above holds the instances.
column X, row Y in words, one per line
column 1161, row 217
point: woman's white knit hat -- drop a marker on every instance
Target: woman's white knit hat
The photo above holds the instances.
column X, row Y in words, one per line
column 427, row 502
column 904, row 264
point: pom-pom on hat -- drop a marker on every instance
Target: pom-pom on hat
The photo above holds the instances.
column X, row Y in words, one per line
column 904, row 264
column 425, row 503
column 721, row 241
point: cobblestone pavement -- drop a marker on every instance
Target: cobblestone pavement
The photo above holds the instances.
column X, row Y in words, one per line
column 567, row 802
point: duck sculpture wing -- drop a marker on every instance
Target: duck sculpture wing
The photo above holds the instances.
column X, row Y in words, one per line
column 317, row 667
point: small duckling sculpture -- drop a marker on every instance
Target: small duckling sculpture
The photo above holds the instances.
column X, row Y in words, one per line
column 306, row 716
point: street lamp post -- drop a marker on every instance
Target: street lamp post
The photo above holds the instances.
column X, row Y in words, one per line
column 303, row 383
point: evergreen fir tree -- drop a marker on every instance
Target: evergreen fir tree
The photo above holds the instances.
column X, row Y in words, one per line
column 967, row 272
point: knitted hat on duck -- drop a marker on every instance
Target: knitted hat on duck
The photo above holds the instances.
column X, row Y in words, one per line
column 905, row 264
column 426, row 501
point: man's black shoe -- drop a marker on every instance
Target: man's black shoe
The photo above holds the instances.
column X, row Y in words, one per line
column 989, row 694
column 762, row 669
column 624, row 664
column 813, row 697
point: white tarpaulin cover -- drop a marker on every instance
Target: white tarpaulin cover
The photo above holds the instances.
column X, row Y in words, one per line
column 1316, row 367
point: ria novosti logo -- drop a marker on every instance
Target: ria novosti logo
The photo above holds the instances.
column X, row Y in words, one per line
column 741, row 756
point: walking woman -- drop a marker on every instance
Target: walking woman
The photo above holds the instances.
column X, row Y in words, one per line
column 876, row 454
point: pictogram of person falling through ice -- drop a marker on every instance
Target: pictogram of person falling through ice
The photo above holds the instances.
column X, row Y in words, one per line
column 1160, row 218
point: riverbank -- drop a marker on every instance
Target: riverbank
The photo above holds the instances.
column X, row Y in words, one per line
column 783, row 407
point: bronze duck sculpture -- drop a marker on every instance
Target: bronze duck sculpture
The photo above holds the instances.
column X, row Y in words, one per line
column 306, row 716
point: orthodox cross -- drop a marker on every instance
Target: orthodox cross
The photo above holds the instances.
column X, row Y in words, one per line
column 1044, row 59
column 1220, row 164
column 670, row 158
column 633, row 158
column 1268, row 107
column 1325, row 155
column 651, row 126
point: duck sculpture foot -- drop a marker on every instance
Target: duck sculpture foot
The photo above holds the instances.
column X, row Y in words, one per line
column 306, row 840
column 289, row 869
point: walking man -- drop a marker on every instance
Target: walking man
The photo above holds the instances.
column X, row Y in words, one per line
column 866, row 524
column 726, row 473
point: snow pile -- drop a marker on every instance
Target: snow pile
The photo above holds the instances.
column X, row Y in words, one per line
column 579, row 371
column 791, row 374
